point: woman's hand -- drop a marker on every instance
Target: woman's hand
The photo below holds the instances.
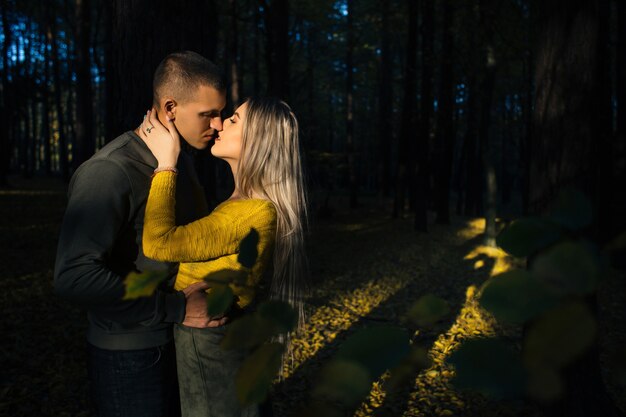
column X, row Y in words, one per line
column 163, row 143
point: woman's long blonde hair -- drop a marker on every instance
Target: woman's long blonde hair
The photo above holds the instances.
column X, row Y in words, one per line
column 270, row 165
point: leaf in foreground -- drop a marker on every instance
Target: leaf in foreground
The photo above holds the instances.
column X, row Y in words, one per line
column 142, row 284
column 254, row 377
column 219, row 299
column 560, row 336
column 490, row 367
column 428, row 310
column 516, row 297
column 526, row 236
column 376, row 348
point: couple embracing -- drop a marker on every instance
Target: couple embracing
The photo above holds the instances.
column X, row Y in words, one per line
column 138, row 205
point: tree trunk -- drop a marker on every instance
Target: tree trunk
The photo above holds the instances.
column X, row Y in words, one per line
column 276, row 15
column 408, row 107
column 58, row 100
column 134, row 60
column 571, row 122
column 421, row 187
column 45, row 90
column 385, row 105
column 445, row 116
column 84, row 141
column 352, row 180
column 486, row 92
column 233, row 56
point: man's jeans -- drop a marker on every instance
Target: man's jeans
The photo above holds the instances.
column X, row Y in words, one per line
column 134, row 383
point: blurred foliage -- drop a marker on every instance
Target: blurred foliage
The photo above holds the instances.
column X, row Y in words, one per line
column 143, row 284
column 549, row 298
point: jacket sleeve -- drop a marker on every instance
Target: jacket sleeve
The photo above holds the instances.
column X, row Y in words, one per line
column 99, row 207
column 210, row 237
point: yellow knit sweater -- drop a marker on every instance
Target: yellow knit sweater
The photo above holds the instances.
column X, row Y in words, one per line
column 209, row 244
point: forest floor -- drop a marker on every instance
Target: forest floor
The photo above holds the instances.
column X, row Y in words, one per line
column 367, row 269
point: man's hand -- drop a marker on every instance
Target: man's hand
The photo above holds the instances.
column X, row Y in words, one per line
column 195, row 311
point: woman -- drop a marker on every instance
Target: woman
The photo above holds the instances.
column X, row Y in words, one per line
column 260, row 143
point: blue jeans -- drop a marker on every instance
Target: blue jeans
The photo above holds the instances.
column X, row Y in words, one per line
column 134, row 383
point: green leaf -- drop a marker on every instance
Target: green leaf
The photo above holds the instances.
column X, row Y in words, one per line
column 545, row 384
column 254, row 377
column 219, row 299
column 569, row 268
column 428, row 310
column 345, row 381
column 376, row 348
column 489, row 367
column 143, row 284
column 572, row 209
column 248, row 332
column 404, row 373
column 280, row 313
column 516, row 297
column 560, row 336
column 527, row 236
column 227, row 276
column 248, row 249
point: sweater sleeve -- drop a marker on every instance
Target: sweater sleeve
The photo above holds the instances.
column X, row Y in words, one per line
column 97, row 211
column 210, row 237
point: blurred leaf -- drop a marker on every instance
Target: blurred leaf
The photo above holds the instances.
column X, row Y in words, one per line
column 417, row 360
column 219, row 299
column 248, row 249
column 545, row 385
column 227, row 276
column 248, row 332
column 572, row 209
column 254, row 377
column 617, row 244
column 280, row 313
column 559, row 336
column 569, row 267
column 489, row 367
column 428, row 310
column 345, row 381
column 143, row 284
column 376, row 348
column 516, row 296
column 524, row 237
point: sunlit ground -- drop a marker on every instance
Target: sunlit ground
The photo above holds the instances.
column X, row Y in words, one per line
column 367, row 268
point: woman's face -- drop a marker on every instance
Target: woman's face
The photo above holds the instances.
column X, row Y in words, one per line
column 227, row 144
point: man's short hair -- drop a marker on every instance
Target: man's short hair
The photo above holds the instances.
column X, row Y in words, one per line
column 180, row 75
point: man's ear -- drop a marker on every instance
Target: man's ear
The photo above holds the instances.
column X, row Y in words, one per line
column 169, row 105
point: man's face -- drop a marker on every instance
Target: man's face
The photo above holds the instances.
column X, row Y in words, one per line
column 199, row 120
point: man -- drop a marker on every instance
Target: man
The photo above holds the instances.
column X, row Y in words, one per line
column 131, row 357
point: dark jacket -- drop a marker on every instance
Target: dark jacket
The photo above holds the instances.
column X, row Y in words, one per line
column 100, row 243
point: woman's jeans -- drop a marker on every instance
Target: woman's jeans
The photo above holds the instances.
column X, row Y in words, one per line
column 206, row 374
column 134, row 383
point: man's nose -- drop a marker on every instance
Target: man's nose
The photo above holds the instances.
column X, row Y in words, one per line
column 216, row 123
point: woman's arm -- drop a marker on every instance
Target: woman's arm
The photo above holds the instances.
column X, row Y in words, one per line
column 207, row 238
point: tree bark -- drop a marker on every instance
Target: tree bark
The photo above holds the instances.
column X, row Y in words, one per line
column 445, row 116
column 84, row 141
column 352, row 180
column 572, row 125
column 407, row 128
column 6, row 131
column 62, row 150
column 276, row 16
column 421, row 188
column 385, row 105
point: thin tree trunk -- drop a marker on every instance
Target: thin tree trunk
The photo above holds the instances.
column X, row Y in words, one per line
column 352, row 180
column 408, row 109
column 421, row 192
column 385, row 105
column 58, row 100
column 233, row 56
column 276, row 14
column 5, row 114
column 47, row 163
column 445, row 116
column 486, row 91
column 84, row 141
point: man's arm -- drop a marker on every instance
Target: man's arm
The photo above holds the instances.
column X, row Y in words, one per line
column 98, row 210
